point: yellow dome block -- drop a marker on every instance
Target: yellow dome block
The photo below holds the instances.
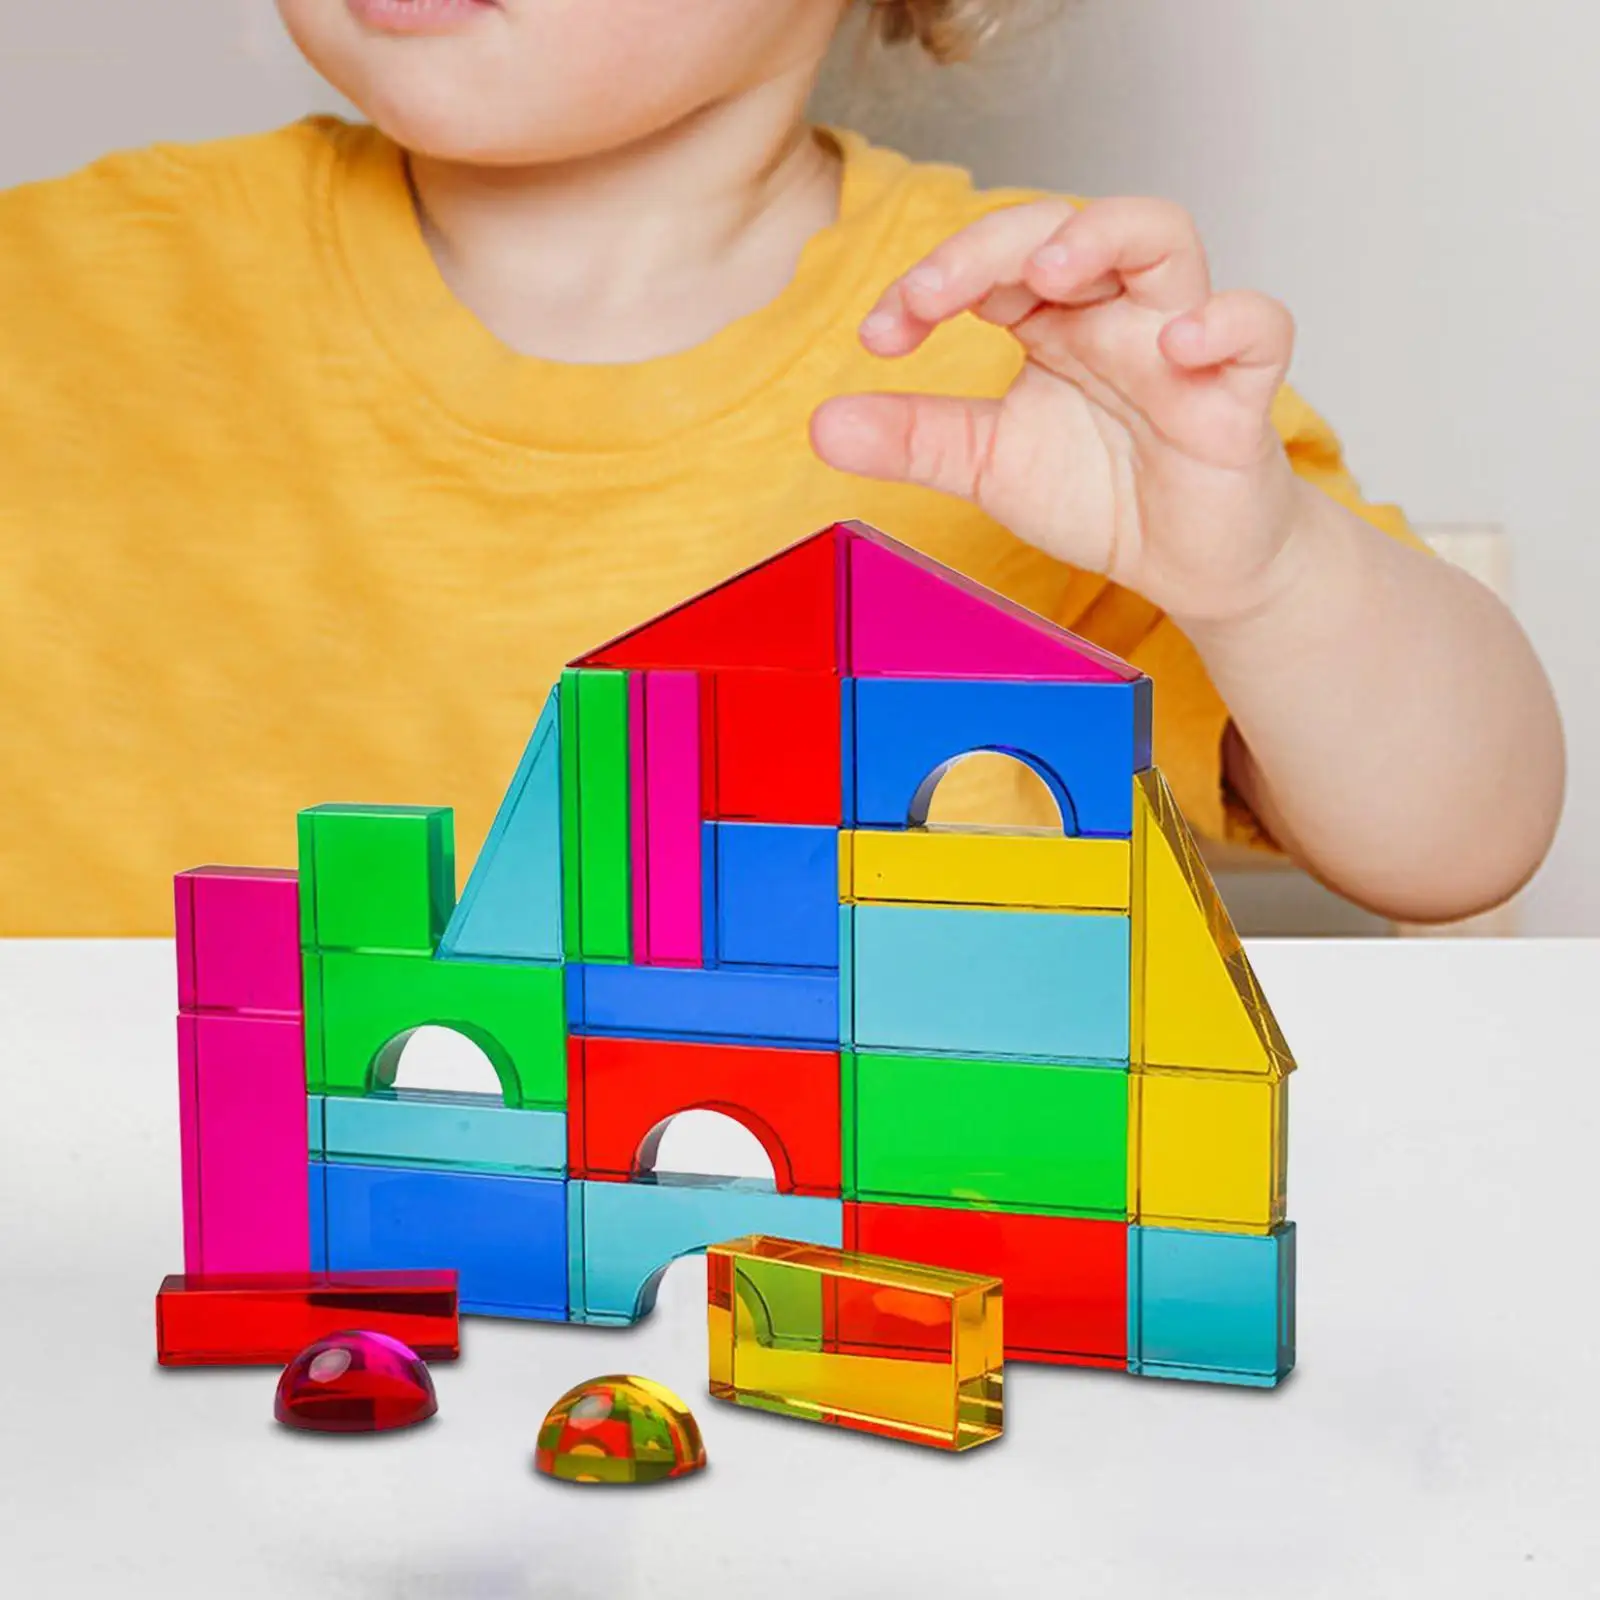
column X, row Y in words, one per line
column 1196, row 1002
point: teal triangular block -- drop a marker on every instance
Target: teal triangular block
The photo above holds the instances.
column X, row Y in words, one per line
column 511, row 910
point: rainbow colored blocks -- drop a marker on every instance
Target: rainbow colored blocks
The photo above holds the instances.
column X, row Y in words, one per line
column 1037, row 1056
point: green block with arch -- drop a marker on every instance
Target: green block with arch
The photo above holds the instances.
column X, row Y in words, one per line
column 360, row 1008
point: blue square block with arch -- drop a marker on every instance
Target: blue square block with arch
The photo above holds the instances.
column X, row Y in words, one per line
column 1085, row 740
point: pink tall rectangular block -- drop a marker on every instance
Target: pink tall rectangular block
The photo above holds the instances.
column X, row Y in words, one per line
column 189, row 1138
column 672, row 779
column 638, row 824
column 246, row 1200
column 238, row 940
column 910, row 618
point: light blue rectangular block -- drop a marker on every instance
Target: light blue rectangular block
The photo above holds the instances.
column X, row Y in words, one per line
column 847, row 978
column 436, row 1128
column 623, row 1236
column 511, row 908
column 1211, row 1307
column 743, row 1005
column 506, row 1237
column 1030, row 984
column 315, row 1138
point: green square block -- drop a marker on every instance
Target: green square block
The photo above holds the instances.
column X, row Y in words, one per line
column 991, row 1135
column 365, row 1005
column 596, row 837
column 376, row 877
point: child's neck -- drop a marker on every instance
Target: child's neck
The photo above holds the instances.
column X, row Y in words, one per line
column 641, row 251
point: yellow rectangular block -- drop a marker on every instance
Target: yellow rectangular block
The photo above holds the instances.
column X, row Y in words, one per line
column 984, row 867
column 884, row 1347
column 1207, row 1150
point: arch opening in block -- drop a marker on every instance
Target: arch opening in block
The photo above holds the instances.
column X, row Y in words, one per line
column 993, row 788
column 714, row 1141
column 450, row 1058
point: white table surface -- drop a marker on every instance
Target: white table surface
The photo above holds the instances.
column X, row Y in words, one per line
column 1441, row 1436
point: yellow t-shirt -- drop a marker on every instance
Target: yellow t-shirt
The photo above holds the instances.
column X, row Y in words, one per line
column 282, row 523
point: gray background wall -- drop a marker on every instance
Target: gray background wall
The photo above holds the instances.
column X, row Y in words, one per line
column 1415, row 180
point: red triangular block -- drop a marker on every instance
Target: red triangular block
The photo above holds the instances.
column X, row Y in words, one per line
column 783, row 615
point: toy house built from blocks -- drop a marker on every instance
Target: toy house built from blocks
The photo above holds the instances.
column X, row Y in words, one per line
column 711, row 884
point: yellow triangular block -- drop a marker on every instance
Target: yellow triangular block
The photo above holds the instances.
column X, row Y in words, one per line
column 1196, row 1002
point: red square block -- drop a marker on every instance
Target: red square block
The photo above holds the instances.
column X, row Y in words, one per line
column 267, row 1319
column 1065, row 1279
column 770, row 749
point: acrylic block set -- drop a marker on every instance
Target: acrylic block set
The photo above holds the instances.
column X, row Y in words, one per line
column 1038, row 1060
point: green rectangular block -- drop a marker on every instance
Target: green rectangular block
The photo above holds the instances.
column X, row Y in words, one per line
column 994, row 1135
column 597, row 901
column 376, row 877
column 366, row 1005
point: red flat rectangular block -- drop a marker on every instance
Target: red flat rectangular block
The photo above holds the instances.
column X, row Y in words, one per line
column 264, row 1319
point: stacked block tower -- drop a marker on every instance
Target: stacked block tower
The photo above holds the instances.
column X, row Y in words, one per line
column 712, row 884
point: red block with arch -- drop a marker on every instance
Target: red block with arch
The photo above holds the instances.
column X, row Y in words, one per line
column 622, row 1093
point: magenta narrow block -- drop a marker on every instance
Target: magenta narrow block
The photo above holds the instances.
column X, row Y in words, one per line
column 672, row 849
column 246, row 1163
column 189, row 1140
column 911, row 618
column 638, row 819
column 238, row 934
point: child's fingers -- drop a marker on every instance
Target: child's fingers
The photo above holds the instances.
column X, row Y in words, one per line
column 1151, row 248
column 1249, row 334
column 960, row 275
column 939, row 441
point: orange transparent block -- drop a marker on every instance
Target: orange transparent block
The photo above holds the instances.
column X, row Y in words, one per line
column 907, row 1352
column 619, row 1429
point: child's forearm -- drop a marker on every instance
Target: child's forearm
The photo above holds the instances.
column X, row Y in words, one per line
column 1392, row 726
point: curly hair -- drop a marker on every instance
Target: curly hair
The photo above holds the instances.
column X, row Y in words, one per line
column 948, row 30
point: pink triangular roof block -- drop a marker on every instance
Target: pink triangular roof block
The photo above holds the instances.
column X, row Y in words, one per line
column 912, row 617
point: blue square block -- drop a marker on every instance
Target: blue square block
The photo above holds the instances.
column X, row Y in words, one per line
column 506, row 1237
column 1048, row 986
column 1211, row 1307
column 1085, row 740
column 621, row 1237
column 772, row 895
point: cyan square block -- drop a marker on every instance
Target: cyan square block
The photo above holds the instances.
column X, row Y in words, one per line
column 775, row 891
column 438, row 1128
column 1211, row 1307
column 316, row 1126
column 506, row 1237
column 1085, row 740
column 958, row 981
column 623, row 1236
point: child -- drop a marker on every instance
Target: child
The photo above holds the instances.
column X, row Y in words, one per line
column 324, row 449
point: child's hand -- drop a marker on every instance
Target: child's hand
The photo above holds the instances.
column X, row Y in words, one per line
column 1137, row 440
